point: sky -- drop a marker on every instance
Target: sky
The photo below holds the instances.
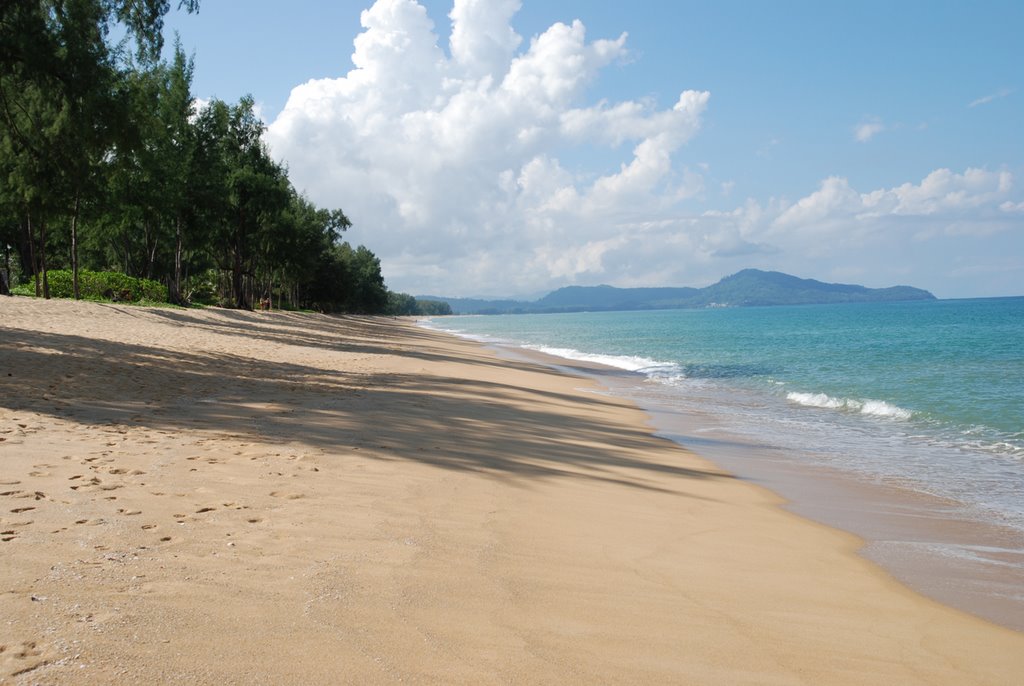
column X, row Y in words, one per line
column 506, row 148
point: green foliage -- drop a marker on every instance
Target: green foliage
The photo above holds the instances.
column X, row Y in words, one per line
column 432, row 308
column 107, row 166
column 347, row 280
column 405, row 305
column 100, row 286
column 401, row 304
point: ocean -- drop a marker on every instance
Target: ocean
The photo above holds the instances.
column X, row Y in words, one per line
column 926, row 398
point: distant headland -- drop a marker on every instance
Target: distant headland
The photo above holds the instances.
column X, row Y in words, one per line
column 747, row 288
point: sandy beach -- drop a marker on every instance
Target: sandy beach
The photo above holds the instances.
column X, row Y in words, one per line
column 225, row 497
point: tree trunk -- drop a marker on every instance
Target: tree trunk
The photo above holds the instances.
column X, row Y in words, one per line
column 42, row 258
column 149, row 234
column 127, row 253
column 25, row 249
column 176, row 284
column 237, row 284
column 5, row 278
column 74, row 246
column 32, row 250
column 28, row 251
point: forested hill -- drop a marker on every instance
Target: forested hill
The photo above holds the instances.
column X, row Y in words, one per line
column 748, row 288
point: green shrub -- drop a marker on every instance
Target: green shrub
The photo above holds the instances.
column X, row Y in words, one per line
column 99, row 286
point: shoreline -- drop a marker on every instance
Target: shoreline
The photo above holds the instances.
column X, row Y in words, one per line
column 233, row 497
column 924, row 541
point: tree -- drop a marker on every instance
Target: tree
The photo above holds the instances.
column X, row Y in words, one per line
column 149, row 175
column 366, row 292
column 104, row 162
column 432, row 308
column 401, row 304
column 254, row 189
column 59, row 101
column 294, row 250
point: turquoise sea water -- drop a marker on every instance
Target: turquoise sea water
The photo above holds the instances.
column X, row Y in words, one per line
column 927, row 395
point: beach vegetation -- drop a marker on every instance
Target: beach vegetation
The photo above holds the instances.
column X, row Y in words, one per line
column 113, row 286
column 109, row 166
column 432, row 308
column 405, row 305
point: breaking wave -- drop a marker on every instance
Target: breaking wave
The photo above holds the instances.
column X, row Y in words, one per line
column 874, row 408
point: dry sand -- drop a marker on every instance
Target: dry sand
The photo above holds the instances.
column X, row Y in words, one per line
column 224, row 497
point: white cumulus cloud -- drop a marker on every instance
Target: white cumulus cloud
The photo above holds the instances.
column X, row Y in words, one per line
column 455, row 160
column 912, row 233
column 486, row 167
column 942, row 199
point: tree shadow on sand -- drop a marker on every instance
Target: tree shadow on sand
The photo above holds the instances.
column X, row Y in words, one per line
column 487, row 427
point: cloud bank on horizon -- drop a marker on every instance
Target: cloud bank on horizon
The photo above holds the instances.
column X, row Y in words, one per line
column 488, row 168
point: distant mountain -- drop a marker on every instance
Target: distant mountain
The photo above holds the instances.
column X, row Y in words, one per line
column 748, row 288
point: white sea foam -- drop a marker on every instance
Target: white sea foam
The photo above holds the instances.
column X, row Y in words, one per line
column 816, row 400
column 880, row 408
column 874, row 408
column 641, row 365
column 479, row 338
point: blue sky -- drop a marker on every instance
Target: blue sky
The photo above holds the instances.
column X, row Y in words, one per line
column 870, row 142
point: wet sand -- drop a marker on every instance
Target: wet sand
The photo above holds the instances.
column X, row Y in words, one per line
column 934, row 545
column 227, row 497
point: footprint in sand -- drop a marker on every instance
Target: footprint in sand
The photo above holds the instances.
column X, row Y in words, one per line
column 19, row 510
column 129, row 513
column 286, row 495
column 205, row 509
column 25, row 656
column 35, row 495
column 147, row 527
